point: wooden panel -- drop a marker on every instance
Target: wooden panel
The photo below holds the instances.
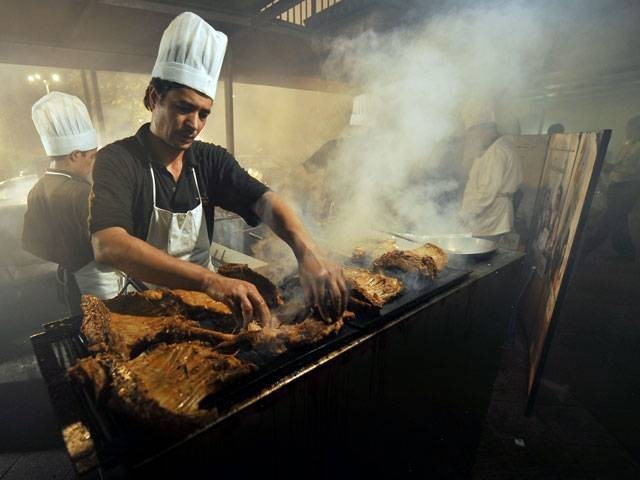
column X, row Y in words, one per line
column 569, row 176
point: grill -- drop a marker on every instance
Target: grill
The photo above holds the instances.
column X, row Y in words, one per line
column 119, row 447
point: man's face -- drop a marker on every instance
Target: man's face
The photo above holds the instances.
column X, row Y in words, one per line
column 179, row 116
column 82, row 162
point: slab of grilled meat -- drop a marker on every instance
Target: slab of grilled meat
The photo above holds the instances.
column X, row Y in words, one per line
column 164, row 302
column 267, row 289
column 267, row 343
column 370, row 291
column 370, row 249
column 425, row 261
column 128, row 335
column 403, row 261
column 164, row 387
column 439, row 256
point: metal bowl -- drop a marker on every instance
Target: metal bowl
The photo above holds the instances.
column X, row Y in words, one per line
column 467, row 246
column 463, row 245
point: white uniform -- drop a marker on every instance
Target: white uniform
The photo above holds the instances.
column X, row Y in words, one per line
column 487, row 203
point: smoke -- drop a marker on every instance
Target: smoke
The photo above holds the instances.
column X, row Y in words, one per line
column 423, row 81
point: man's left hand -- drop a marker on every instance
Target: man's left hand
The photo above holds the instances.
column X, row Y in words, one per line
column 324, row 285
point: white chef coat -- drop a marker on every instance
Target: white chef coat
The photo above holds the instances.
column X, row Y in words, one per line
column 487, row 203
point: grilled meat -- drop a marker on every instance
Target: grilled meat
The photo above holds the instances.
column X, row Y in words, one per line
column 365, row 252
column 162, row 388
column 372, row 288
column 267, row 343
column 425, row 261
column 439, row 256
column 406, row 262
column 267, row 289
column 160, row 368
column 128, row 335
column 164, row 302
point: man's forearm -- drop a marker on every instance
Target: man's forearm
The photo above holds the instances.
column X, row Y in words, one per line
column 115, row 247
column 284, row 222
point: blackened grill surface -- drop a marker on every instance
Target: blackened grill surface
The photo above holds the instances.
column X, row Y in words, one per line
column 119, row 446
column 416, row 291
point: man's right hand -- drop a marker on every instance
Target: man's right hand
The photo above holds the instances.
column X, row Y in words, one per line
column 242, row 297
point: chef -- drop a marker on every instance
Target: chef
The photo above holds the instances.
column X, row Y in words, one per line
column 322, row 192
column 153, row 198
column 55, row 222
column 494, row 178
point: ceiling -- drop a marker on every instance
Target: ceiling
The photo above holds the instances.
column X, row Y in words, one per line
column 271, row 42
column 280, row 42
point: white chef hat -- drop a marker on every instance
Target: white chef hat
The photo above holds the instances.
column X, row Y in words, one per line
column 360, row 110
column 63, row 123
column 191, row 53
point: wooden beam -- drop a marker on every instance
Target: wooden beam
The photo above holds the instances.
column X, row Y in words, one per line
column 83, row 14
column 273, row 11
column 45, row 55
column 211, row 14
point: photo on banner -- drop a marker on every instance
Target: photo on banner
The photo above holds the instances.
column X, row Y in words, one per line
column 568, row 179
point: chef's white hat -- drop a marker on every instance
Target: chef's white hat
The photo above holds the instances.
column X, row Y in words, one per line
column 191, row 53
column 360, row 110
column 63, row 123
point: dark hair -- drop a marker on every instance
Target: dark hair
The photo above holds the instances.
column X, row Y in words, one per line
column 161, row 86
column 633, row 126
column 555, row 128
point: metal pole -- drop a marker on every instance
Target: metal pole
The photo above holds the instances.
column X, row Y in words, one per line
column 228, row 102
column 98, row 100
column 86, row 92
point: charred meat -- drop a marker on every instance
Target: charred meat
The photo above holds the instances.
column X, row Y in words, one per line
column 275, row 340
column 155, row 364
column 371, row 291
column 162, row 388
column 365, row 252
column 267, row 289
column 425, row 261
column 403, row 261
column 164, row 302
column 439, row 256
column 128, row 335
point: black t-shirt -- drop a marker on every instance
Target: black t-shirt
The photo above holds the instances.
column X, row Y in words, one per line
column 55, row 223
column 122, row 194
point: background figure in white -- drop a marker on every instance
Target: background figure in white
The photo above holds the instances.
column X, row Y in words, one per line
column 487, row 203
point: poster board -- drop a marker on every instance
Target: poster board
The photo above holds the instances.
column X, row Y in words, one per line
column 531, row 151
column 567, row 183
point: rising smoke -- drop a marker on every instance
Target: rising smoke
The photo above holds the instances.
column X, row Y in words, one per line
column 425, row 82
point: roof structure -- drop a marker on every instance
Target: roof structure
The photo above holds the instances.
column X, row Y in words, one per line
column 277, row 42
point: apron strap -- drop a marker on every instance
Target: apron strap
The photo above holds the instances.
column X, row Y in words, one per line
column 153, row 184
column 195, row 179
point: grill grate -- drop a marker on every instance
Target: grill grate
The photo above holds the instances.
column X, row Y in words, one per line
column 120, row 446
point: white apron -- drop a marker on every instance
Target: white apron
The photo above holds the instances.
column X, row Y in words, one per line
column 100, row 280
column 96, row 278
column 181, row 235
